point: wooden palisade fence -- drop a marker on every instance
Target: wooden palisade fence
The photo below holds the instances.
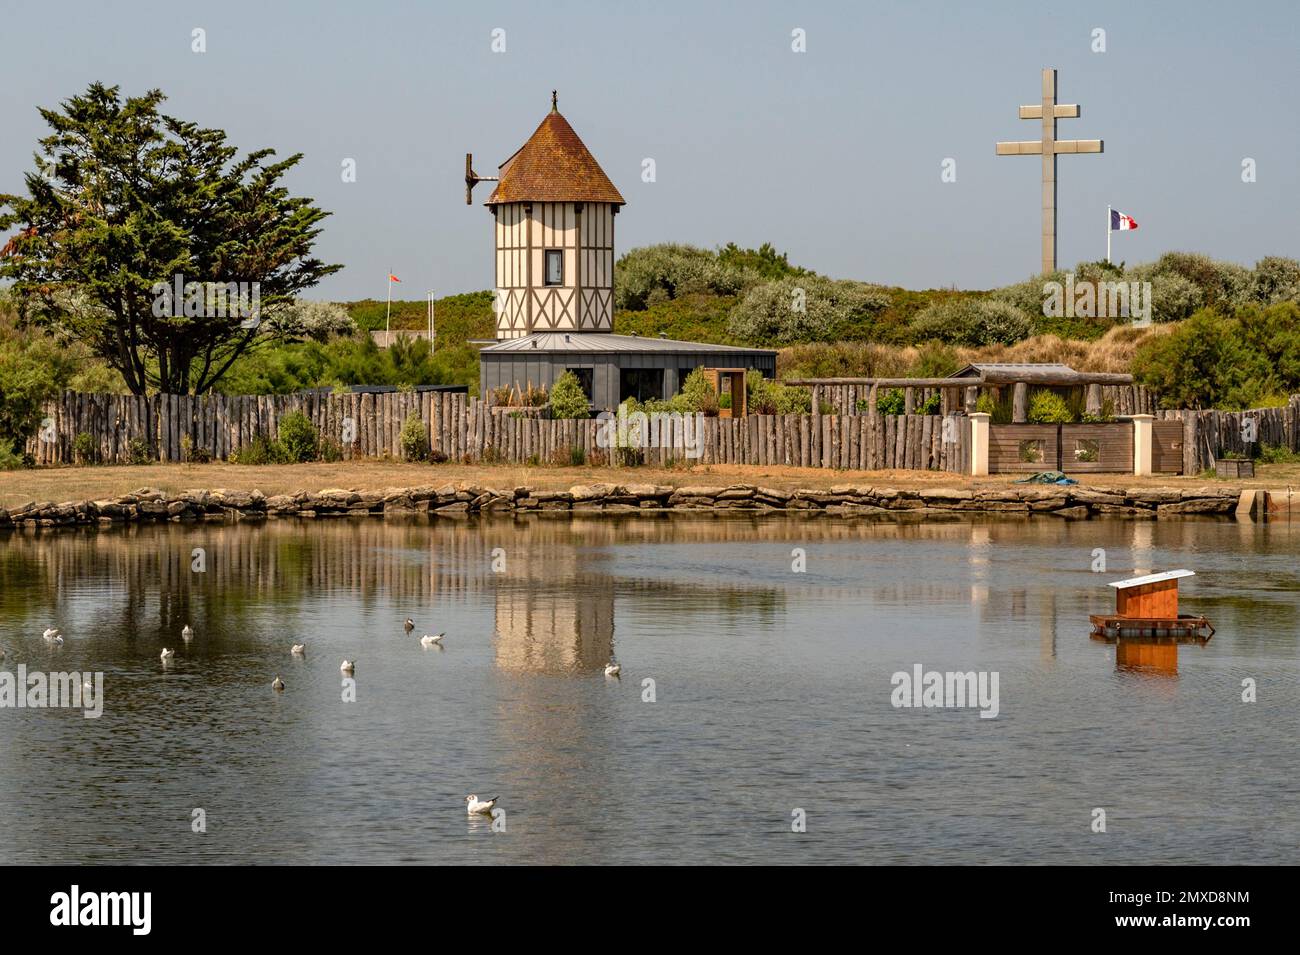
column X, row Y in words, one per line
column 125, row 428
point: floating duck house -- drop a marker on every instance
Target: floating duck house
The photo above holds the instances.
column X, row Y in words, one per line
column 1148, row 606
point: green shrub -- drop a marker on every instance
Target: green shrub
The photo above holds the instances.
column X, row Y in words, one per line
column 1209, row 361
column 894, row 401
column 1277, row 454
column 697, row 395
column 1047, row 407
column 330, row 450
column 139, row 452
column 9, row 460
column 568, row 400
column 890, row 402
column 804, row 308
column 655, row 274
column 415, row 439
column 193, row 454
column 83, row 446
column 1275, row 280
column 972, row 322
column 30, row 375
column 262, row 450
column 768, row 396
column 298, row 437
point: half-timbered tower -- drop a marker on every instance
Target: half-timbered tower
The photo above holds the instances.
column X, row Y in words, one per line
column 554, row 209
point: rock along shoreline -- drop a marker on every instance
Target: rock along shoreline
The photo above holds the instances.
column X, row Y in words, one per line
column 150, row 505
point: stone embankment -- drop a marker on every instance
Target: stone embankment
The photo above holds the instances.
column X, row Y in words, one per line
column 1073, row 502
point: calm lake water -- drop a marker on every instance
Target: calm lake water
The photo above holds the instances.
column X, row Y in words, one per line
column 772, row 692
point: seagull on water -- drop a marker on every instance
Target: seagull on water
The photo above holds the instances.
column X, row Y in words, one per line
column 409, row 625
column 612, row 668
column 479, row 807
column 166, row 654
column 53, row 635
column 298, row 649
column 348, row 666
column 277, row 683
column 432, row 641
column 187, row 633
column 2, row 653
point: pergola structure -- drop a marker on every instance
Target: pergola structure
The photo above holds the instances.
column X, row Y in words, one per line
column 962, row 388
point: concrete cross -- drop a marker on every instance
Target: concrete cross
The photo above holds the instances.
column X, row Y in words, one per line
column 1049, row 147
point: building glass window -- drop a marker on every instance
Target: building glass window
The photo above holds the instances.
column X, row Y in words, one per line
column 585, row 378
column 554, row 267
column 642, row 384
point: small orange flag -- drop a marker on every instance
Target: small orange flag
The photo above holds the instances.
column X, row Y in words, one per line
column 393, row 278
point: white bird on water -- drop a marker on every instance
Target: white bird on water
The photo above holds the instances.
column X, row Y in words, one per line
column 277, row 683
column 166, row 654
column 53, row 635
column 476, row 807
column 2, row 653
column 432, row 641
column 348, row 666
column 409, row 625
column 187, row 633
column 612, row 668
column 299, row 649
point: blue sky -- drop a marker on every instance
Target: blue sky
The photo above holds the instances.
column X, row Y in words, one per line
column 833, row 155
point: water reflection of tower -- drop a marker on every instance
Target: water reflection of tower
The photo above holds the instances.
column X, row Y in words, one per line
column 554, row 614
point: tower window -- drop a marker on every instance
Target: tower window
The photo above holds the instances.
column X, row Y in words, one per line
column 554, row 267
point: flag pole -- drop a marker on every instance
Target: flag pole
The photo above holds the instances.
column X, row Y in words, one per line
column 388, row 315
column 1108, row 235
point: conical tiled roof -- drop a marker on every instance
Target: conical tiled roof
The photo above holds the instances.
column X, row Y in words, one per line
column 553, row 166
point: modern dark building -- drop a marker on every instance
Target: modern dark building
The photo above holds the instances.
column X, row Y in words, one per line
column 610, row 367
column 553, row 211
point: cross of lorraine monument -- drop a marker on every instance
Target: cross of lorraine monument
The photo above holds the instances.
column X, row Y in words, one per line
column 1049, row 147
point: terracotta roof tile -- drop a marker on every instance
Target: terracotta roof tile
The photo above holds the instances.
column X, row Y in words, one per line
column 553, row 166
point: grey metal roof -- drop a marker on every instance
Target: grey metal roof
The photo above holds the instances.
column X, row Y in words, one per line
column 978, row 369
column 609, row 342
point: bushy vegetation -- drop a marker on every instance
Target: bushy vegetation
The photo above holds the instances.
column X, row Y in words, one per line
column 696, row 395
column 299, row 437
column 1047, row 407
column 33, row 369
column 658, row 273
column 342, row 362
column 1250, row 360
column 767, row 396
column 803, row 308
column 568, row 400
column 972, row 321
column 415, row 439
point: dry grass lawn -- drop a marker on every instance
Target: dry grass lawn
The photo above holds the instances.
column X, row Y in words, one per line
column 93, row 483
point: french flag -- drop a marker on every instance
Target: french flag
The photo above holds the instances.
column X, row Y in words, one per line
column 1120, row 222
